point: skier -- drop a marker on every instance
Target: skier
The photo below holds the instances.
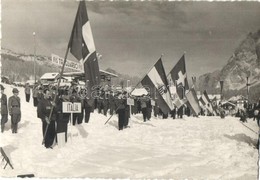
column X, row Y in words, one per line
column 14, row 105
column 4, row 109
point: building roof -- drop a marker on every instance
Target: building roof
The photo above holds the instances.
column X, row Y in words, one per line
column 49, row 76
column 139, row 92
column 81, row 74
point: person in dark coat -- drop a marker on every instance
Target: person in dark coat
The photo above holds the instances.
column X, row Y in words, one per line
column 143, row 101
column 77, row 117
column 112, row 104
column 88, row 109
column 121, row 106
column 4, row 109
column 180, row 112
column 14, row 106
column 35, row 94
column 173, row 113
column 43, row 111
column 105, row 103
column 156, row 109
column 27, row 90
column 40, row 94
column 149, row 108
column 62, row 118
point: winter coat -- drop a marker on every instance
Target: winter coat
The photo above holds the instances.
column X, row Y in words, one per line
column 35, row 92
column 4, row 109
column 120, row 104
column 44, row 108
column 143, row 103
column 27, row 89
column 14, row 105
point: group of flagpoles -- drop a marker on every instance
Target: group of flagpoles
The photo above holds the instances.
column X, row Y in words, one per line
column 135, row 87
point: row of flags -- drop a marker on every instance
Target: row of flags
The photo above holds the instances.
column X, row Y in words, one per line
column 167, row 90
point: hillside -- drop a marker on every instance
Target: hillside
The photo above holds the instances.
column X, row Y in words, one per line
column 245, row 62
column 20, row 67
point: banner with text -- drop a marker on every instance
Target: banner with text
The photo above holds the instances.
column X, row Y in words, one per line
column 69, row 64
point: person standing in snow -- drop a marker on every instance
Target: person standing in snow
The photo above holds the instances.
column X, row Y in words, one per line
column 35, row 93
column 4, row 109
column 62, row 118
column 14, row 106
column 43, row 111
column 121, row 106
column 27, row 90
column 144, row 107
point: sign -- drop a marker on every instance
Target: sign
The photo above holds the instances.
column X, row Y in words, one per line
column 69, row 107
column 130, row 102
column 152, row 102
column 55, row 59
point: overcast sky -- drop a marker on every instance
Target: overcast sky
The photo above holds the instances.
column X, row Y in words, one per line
column 131, row 36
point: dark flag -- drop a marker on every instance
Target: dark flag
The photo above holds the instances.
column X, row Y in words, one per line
column 83, row 48
column 157, row 85
column 221, row 89
column 178, row 76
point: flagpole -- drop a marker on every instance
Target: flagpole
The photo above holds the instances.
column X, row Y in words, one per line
column 146, row 73
column 56, row 92
column 135, row 86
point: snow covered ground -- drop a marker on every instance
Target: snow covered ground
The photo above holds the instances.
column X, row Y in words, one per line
column 189, row 148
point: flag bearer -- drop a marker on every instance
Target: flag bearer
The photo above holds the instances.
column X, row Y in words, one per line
column 43, row 111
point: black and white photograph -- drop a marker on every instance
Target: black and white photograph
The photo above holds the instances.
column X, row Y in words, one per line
column 132, row 89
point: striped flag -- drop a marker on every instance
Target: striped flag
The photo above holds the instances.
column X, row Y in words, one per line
column 83, row 48
column 207, row 101
column 193, row 101
column 157, row 83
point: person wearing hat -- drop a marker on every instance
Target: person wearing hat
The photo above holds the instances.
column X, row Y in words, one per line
column 14, row 105
column 4, row 109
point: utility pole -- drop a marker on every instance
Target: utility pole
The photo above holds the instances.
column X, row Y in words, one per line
column 34, row 58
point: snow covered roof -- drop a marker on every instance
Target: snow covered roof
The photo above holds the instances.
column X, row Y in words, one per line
column 102, row 73
column 139, row 92
column 49, row 76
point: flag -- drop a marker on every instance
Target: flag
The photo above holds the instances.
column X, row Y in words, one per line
column 178, row 77
column 214, row 105
column 193, row 101
column 82, row 46
column 207, row 101
column 156, row 82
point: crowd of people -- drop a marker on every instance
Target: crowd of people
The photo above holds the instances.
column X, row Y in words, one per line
column 49, row 100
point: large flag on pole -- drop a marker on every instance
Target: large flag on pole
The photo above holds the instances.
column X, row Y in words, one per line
column 193, row 101
column 178, row 77
column 157, row 83
column 83, row 48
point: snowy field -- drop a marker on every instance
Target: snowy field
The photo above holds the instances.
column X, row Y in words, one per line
column 189, row 148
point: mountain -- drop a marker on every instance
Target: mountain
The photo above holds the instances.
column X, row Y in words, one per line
column 20, row 67
column 245, row 62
